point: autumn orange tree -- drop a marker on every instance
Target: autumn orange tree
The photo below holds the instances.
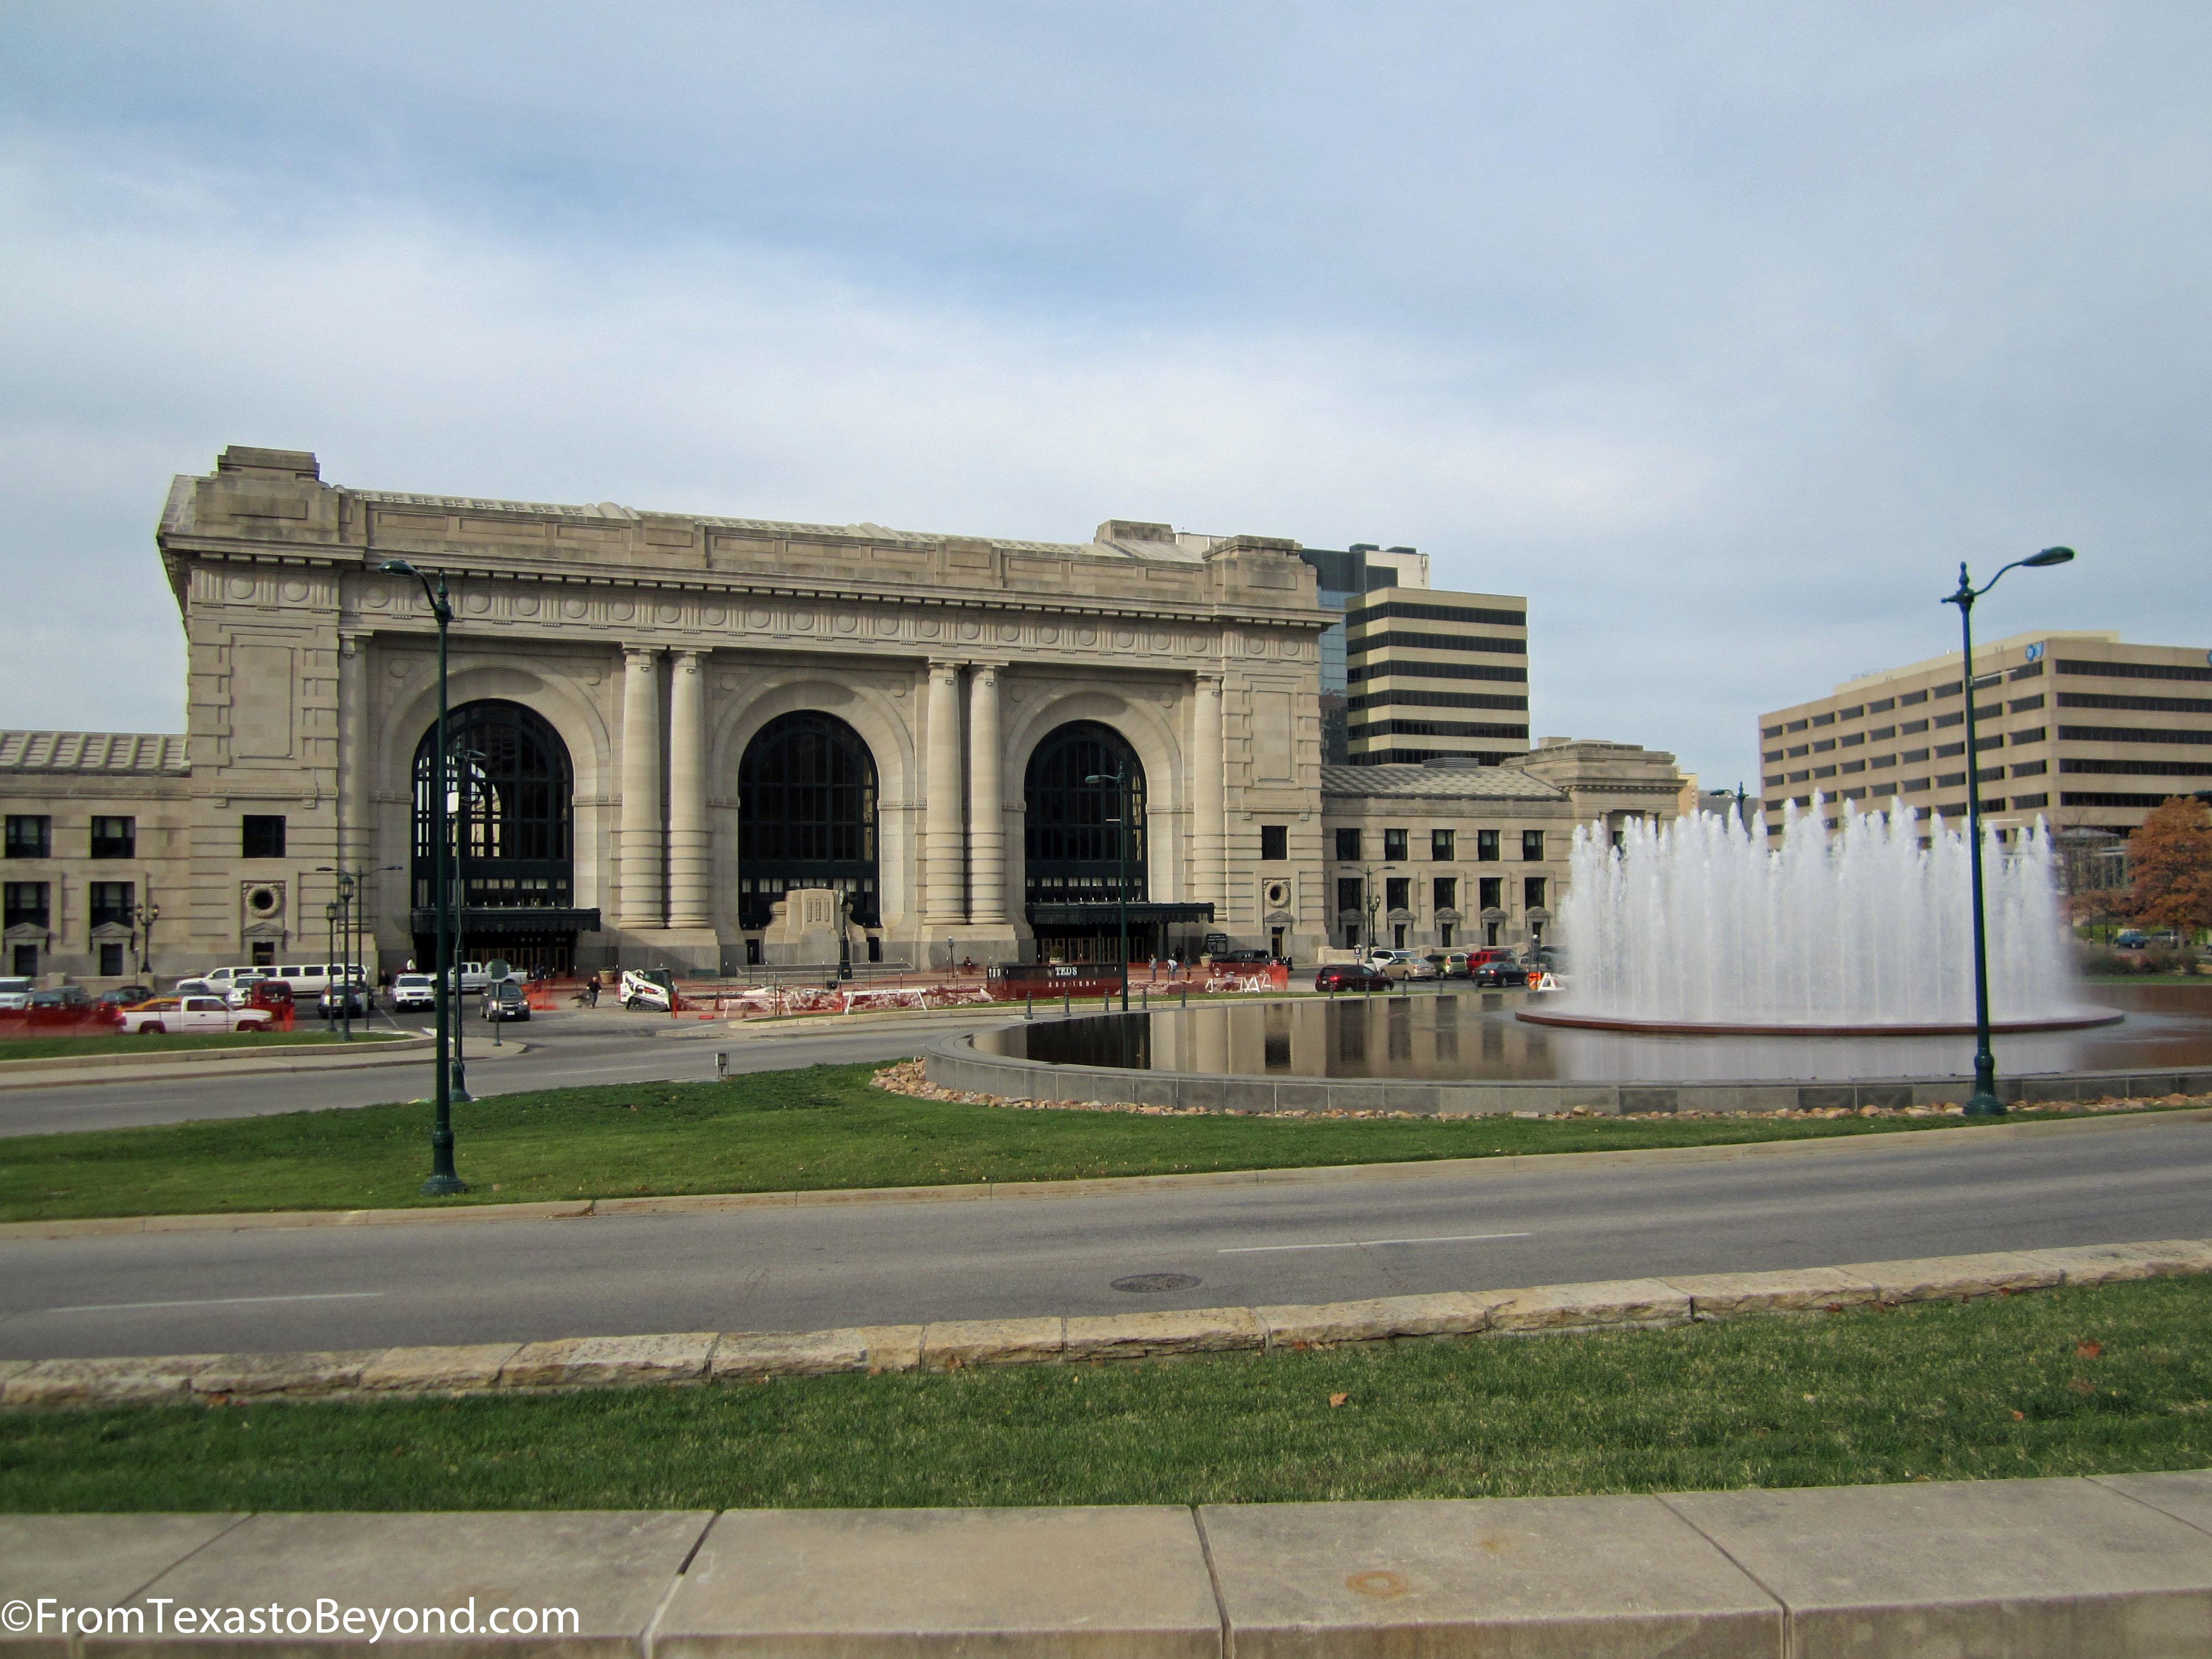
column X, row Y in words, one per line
column 2170, row 858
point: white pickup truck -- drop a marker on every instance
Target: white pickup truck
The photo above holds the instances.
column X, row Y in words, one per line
column 191, row 1013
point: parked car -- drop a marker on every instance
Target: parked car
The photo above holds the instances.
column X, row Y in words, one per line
column 1350, row 976
column 1408, row 964
column 648, row 988
column 1449, row 964
column 269, row 994
column 2132, row 938
column 192, row 1013
column 126, row 996
column 16, row 993
column 415, row 993
column 1498, row 969
column 61, row 996
column 339, row 1000
column 1244, row 958
column 507, row 1000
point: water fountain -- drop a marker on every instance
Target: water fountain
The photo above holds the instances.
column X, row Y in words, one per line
column 1713, row 968
column 1704, row 926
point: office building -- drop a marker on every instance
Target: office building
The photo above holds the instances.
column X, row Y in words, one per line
column 2079, row 728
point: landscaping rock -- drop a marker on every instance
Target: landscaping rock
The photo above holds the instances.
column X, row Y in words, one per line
column 89, row 1382
column 1378, row 1319
column 1949, row 1276
column 608, row 1361
column 1607, row 1302
column 284, row 1373
column 2101, row 1264
column 438, row 1370
column 949, row 1343
column 1141, row 1335
column 1800, row 1289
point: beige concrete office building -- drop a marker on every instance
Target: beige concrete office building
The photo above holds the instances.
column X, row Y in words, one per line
column 1434, row 674
column 666, row 725
column 2079, row 728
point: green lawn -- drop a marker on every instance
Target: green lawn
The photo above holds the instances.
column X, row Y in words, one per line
column 115, row 1043
column 2088, row 1381
column 819, row 1127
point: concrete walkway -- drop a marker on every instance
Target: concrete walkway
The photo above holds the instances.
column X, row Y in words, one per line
column 2090, row 1568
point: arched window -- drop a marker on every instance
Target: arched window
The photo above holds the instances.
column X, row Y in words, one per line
column 1072, row 839
column 507, row 804
column 509, row 815
column 806, row 816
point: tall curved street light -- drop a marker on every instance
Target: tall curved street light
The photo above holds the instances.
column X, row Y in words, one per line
column 1983, row 1102
column 443, row 1178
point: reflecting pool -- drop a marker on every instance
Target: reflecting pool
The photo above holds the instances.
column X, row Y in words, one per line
column 1471, row 1036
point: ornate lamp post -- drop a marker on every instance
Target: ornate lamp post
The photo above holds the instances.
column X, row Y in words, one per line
column 1983, row 1102
column 1118, row 777
column 443, row 1179
column 148, row 913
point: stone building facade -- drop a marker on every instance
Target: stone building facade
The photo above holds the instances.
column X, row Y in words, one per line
column 664, row 726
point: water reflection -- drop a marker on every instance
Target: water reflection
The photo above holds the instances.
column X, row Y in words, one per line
column 1428, row 1038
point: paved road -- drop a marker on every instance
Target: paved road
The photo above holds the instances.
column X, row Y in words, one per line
column 565, row 1048
column 340, row 1287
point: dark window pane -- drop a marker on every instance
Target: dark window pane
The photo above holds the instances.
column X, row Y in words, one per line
column 261, row 837
column 1274, row 842
column 29, row 836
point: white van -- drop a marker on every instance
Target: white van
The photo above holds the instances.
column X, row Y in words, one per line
column 306, row 979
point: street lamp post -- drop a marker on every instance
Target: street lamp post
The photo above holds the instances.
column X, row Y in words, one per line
column 148, row 914
column 443, row 1179
column 1983, row 1102
column 330, row 916
column 1367, row 883
column 1118, row 777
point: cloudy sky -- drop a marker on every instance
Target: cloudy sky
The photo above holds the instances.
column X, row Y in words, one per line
column 1721, row 331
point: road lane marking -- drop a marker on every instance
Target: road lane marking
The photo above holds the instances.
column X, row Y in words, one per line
column 217, row 1302
column 1362, row 1244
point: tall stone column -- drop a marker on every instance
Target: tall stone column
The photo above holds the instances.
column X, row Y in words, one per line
column 1209, row 818
column 689, row 860
column 355, row 831
column 641, row 789
column 941, row 838
column 355, row 844
column 987, row 817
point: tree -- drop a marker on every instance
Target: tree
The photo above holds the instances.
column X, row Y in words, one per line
column 2171, row 858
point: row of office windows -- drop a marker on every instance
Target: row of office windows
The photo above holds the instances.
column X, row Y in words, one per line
column 1443, row 845
column 1407, row 610
column 2066, row 700
column 31, row 835
column 1400, row 640
column 30, row 904
column 1904, row 700
column 1435, row 670
column 1443, row 893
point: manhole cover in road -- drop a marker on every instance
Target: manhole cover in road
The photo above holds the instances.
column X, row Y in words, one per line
column 1155, row 1282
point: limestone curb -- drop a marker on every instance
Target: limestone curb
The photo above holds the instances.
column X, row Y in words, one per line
column 185, row 1066
column 1894, row 1142
column 696, row 1357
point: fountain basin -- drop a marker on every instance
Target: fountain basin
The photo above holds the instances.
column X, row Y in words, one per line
column 2079, row 1021
column 1468, row 1053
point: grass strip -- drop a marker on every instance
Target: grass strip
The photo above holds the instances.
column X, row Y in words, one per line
column 117, row 1043
column 806, row 1129
column 2099, row 1381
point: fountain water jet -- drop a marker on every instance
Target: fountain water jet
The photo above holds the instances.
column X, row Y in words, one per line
column 1700, row 926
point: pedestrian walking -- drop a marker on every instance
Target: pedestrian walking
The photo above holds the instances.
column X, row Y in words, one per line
column 592, row 992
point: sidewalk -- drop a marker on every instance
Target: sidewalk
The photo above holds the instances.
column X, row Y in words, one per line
column 2088, row 1568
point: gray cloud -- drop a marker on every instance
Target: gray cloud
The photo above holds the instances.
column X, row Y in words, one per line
column 1721, row 331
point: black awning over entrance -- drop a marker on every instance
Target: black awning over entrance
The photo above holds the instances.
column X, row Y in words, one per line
column 517, row 920
column 1109, row 915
